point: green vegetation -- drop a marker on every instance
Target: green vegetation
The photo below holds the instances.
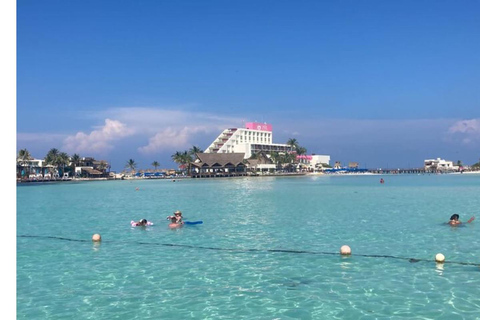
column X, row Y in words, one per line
column 57, row 160
column 185, row 158
column 156, row 164
column 476, row 166
column 132, row 165
column 292, row 142
column 74, row 162
column 284, row 161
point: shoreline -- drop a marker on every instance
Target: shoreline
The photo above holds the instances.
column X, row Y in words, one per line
column 294, row 174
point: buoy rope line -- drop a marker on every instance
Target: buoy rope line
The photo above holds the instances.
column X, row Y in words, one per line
column 411, row 260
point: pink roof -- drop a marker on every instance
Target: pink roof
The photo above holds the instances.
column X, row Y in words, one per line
column 304, row 157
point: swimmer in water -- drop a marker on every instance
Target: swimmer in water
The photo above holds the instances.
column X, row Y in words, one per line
column 141, row 223
column 174, row 224
column 454, row 220
column 177, row 216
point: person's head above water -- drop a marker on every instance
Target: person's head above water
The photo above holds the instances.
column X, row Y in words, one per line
column 143, row 222
column 455, row 217
column 178, row 213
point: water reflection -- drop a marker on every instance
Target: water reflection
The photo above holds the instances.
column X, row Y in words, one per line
column 439, row 268
column 96, row 246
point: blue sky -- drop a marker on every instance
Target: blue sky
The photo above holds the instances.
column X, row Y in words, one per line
column 383, row 83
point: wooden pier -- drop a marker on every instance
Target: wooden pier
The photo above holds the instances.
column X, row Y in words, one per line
column 401, row 171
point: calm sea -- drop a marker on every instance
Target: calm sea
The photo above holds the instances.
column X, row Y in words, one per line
column 267, row 249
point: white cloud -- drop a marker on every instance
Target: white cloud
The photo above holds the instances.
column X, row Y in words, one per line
column 468, row 131
column 165, row 129
column 97, row 141
column 466, row 126
column 171, row 138
column 151, row 121
column 171, row 129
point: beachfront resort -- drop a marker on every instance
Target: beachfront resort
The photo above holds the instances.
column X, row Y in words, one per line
column 247, row 151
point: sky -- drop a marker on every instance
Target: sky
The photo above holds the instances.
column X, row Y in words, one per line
column 386, row 84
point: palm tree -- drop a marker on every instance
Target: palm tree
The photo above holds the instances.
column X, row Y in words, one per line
column 192, row 156
column 291, row 160
column 188, row 159
column 24, row 157
column 293, row 143
column 177, row 157
column 52, row 155
column 74, row 162
column 62, row 161
column 301, row 150
column 183, row 159
column 194, row 149
column 102, row 166
column 131, row 165
column 275, row 156
column 52, row 158
column 155, row 164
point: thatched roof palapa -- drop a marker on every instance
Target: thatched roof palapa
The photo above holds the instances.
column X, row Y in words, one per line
column 92, row 171
column 219, row 159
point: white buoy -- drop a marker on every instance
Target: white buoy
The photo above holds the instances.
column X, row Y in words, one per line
column 345, row 250
column 440, row 258
column 96, row 238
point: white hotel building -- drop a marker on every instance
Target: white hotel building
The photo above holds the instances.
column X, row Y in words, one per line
column 254, row 138
column 257, row 137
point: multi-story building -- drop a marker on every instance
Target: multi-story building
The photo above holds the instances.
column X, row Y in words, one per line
column 253, row 139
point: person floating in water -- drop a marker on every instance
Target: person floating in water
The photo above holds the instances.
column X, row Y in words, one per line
column 382, row 181
column 454, row 220
column 141, row 223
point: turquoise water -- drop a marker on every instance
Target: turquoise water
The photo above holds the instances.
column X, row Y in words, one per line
column 227, row 267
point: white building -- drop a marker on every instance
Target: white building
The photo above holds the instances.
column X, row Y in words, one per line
column 439, row 164
column 35, row 168
column 314, row 162
column 254, row 138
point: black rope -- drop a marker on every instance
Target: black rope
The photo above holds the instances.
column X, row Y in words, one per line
column 411, row 260
column 51, row 237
